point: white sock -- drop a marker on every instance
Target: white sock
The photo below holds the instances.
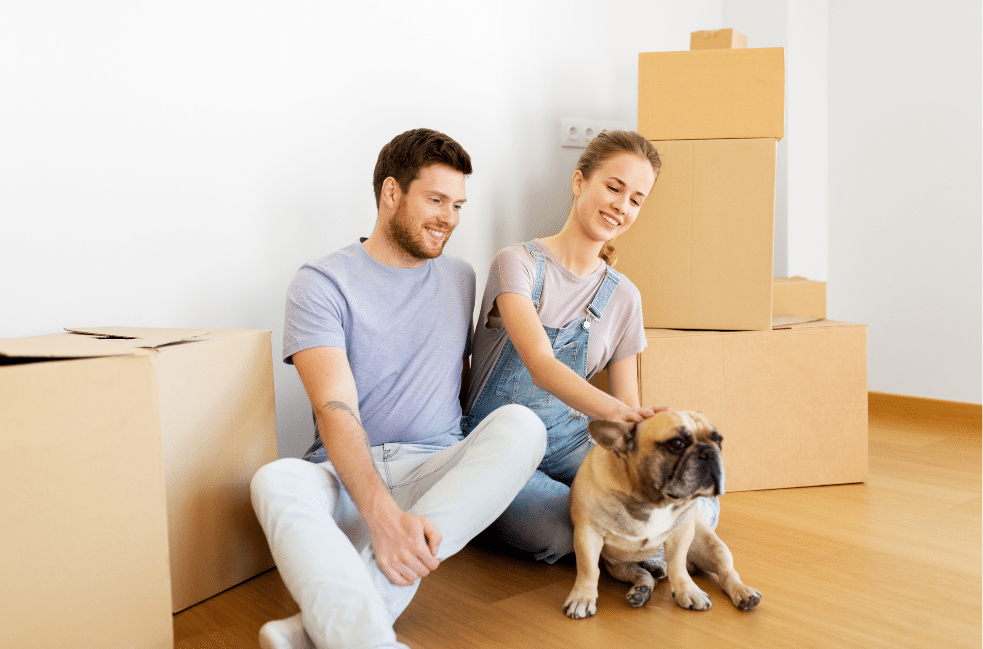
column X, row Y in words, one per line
column 287, row 633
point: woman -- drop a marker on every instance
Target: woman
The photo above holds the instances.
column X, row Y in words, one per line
column 553, row 314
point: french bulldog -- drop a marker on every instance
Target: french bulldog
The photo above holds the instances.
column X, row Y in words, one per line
column 637, row 490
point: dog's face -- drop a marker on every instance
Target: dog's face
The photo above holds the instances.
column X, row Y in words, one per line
column 672, row 457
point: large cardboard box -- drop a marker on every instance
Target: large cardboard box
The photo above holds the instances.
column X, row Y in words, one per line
column 701, row 249
column 211, row 426
column 84, row 538
column 791, row 404
column 712, row 94
column 717, row 39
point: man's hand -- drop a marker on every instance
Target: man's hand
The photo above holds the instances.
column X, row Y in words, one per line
column 405, row 546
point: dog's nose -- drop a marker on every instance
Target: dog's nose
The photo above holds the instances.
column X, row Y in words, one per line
column 704, row 452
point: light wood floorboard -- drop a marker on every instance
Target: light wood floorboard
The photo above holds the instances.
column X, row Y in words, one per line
column 894, row 562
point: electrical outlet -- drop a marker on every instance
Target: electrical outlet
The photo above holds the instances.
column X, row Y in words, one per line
column 576, row 133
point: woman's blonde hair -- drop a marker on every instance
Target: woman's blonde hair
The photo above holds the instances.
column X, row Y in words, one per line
column 606, row 145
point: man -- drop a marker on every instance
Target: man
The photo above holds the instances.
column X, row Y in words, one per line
column 380, row 333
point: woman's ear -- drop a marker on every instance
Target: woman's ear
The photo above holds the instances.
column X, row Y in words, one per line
column 577, row 182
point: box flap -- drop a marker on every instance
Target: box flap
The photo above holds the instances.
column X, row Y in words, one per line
column 95, row 342
column 788, row 321
column 790, row 325
column 140, row 337
column 61, row 346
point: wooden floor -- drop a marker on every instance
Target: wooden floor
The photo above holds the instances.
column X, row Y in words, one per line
column 894, row 562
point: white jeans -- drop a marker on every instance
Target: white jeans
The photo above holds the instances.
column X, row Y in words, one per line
column 321, row 544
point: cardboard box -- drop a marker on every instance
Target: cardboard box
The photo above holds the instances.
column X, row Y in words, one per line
column 712, row 94
column 798, row 296
column 701, row 250
column 717, row 39
column 790, row 404
column 84, row 537
column 212, row 427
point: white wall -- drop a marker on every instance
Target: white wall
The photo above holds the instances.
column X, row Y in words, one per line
column 905, row 190
column 801, row 175
column 765, row 23
column 173, row 164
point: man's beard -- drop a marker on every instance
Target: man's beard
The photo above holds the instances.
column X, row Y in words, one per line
column 413, row 242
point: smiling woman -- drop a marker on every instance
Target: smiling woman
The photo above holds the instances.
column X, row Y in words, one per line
column 554, row 314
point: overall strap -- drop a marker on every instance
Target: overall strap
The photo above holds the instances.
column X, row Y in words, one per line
column 540, row 272
column 610, row 283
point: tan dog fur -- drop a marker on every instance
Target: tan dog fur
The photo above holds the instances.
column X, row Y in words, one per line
column 637, row 490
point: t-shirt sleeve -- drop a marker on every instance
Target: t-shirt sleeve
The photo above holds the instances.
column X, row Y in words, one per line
column 632, row 339
column 314, row 315
column 512, row 271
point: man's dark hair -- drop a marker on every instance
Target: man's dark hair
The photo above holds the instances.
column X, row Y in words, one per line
column 409, row 152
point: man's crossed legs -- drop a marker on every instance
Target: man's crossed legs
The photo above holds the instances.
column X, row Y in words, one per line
column 322, row 547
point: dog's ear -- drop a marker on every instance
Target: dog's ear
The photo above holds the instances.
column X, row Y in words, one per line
column 617, row 436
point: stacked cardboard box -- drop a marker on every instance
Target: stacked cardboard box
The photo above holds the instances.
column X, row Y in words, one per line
column 786, row 387
column 126, row 459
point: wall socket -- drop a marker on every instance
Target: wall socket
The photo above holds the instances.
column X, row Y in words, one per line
column 576, row 133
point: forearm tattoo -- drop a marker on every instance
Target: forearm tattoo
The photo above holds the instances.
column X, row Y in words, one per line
column 344, row 407
column 341, row 405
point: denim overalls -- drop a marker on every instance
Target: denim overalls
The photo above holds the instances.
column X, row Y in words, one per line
column 538, row 520
column 510, row 382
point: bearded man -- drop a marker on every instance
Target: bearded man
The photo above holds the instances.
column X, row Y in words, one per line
column 380, row 333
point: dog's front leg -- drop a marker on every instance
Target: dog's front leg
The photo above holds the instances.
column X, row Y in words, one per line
column 711, row 555
column 582, row 601
column 684, row 590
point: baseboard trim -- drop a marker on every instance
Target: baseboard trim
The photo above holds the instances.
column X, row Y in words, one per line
column 896, row 404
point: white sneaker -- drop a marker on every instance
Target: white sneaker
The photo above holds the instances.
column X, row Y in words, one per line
column 287, row 633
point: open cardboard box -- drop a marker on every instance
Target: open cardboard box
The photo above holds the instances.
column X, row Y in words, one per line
column 131, row 451
column 712, row 94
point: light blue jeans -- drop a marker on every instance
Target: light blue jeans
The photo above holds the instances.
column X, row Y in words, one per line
column 321, row 544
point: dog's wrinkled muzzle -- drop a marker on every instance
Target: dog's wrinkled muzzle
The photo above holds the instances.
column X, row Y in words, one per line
column 699, row 473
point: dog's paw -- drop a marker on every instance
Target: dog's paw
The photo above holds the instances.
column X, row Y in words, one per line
column 638, row 595
column 693, row 599
column 745, row 598
column 577, row 607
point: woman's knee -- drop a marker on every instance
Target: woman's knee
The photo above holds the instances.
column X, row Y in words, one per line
column 546, row 540
column 709, row 508
column 538, row 520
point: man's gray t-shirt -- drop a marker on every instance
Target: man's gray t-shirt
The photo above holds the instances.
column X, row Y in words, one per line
column 619, row 333
column 406, row 333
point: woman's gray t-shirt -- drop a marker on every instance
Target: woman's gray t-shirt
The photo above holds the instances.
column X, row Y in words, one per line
column 618, row 334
